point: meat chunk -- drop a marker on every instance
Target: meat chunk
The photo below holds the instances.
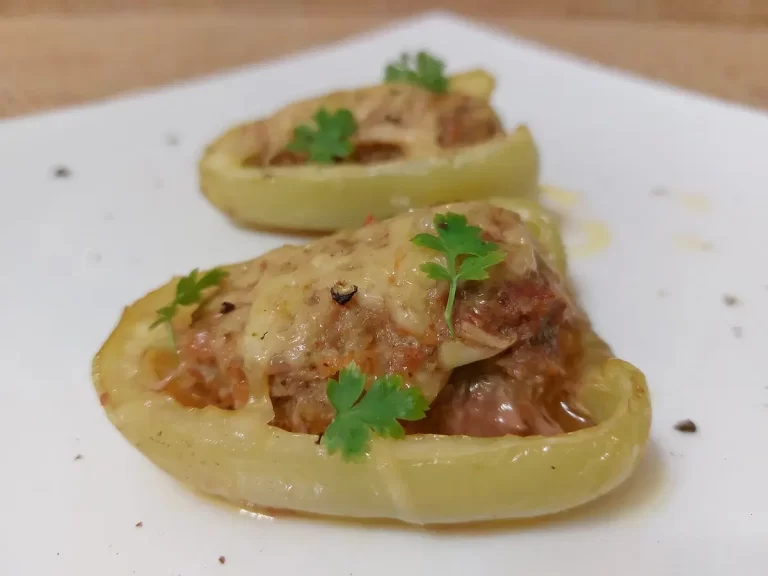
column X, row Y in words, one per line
column 528, row 390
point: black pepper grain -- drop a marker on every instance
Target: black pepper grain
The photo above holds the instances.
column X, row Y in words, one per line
column 687, row 426
column 343, row 292
column 226, row 307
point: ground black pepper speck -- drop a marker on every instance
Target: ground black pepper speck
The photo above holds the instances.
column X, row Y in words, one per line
column 730, row 300
column 687, row 426
column 62, row 172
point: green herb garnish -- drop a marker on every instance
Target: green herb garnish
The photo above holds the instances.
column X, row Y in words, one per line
column 378, row 411
column 330, row 140
column 189, row 290
column 424, row 70
column 456, row 239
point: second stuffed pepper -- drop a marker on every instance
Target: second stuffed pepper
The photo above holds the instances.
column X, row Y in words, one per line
column 326, row 163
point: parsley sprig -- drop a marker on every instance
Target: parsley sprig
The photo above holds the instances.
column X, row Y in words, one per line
column 329, row 140
column 458, row 240
column 378, row 411
column 424, row 70
column 189, row 290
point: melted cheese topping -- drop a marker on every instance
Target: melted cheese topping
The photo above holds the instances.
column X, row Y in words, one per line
column 407, row 116
column 292, row 309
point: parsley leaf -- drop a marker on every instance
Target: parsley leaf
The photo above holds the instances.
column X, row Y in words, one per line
column 476, row 267
column 457, row 239
column 330, row 140
column 189, row 290
column 378, row 411
column 425, row 71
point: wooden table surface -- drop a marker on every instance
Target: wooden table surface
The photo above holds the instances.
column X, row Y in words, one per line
column 49, row 60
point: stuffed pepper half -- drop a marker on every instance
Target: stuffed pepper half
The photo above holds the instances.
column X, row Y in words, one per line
column 327, row 163
column 430, row 368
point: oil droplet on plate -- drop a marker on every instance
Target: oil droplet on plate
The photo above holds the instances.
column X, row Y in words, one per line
column 560, row 196
column 596, row 238
column 693, row 243
column 696, row 203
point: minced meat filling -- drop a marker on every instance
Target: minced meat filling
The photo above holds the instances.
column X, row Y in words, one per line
column 519, row 355
column 529, row 389
column 393, row 124
column 364, row 153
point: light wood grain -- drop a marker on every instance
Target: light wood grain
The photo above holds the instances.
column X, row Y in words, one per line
column 48, row 61
column 749, row 12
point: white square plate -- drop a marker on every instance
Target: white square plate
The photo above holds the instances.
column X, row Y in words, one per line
column 680, row 181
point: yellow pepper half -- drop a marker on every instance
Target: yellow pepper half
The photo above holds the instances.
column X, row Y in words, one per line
column 316, row 197
column 422, row 479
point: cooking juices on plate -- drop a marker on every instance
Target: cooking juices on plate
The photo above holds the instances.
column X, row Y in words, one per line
column 431, row 368
column 419, row 139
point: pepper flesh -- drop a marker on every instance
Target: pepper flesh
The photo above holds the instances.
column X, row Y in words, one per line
column 325, row 198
